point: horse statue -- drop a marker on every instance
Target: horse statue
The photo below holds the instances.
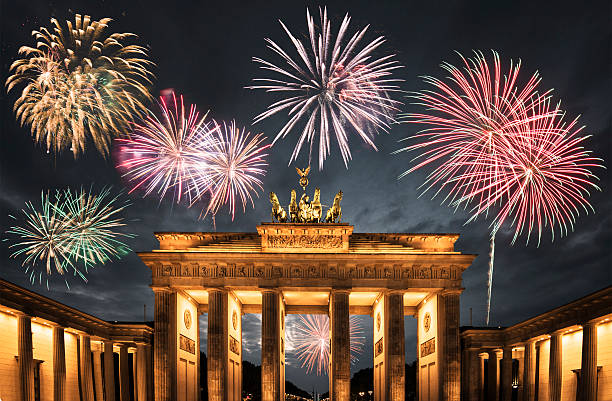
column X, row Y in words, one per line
column 334, row 212
column 293, row 208
column 315, row 207
column 278, row 212
column 304, row 206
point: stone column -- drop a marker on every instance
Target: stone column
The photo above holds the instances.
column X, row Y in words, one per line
column 141, row 372
column 59, row 364
column 506, row 371
column 109, row 371
column 472, row 392
column 395, row 355
column 150, row 373
column 124, row 373
column 492, row 393
column 449, row 349
column 340, row 347
column 97, row 371
column 270, row 346
column 87, row 391
column 481, row 379
column 520, row 373
column 529, row 371
column 588, row 368
column 217, row 345
column 165, row 344
column 555, row 367
column 25, row 357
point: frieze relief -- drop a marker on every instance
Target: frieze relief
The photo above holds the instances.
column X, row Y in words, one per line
column 304, row 241
column 366, row 271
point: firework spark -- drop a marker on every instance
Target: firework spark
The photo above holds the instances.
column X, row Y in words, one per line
column 335, row 89
column 310, row 339
column 80, row 83
column 498, row 145
column 169, row 153
column 235, row 161
column 72, row 230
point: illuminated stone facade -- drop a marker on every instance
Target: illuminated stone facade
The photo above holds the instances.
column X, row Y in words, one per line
column 52, row 352
column 561, row 355
column 286, row 268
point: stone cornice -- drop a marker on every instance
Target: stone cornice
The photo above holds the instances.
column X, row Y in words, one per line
column 591, row 308
column 19, row 299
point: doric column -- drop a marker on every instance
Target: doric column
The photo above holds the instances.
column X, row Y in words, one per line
column 520, row 373
column 395, row 355
column 97, row 371
column 141, row 372
column 588, row 368
column 25, row 357
column 492, row 393
column 217, row 345
column 340, row 347
column 150, row 373
column 165, row 344
column 506, row 373
column 124, row 373
column 529, row 371
column 87, row 391
column 472, row 392
column 59, row 364
column 555, row 367
column 481, row 379
column 449, row 350
column 270, row 346
column 109, row 371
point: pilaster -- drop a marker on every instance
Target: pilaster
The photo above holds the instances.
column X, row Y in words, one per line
column 340, row 347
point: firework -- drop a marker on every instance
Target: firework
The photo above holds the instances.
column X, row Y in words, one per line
column 235, row 161
column 80, row 83
column 498, row 145
column 310, row 339
column 168, row 153
column 74, row 230
column 331, row 88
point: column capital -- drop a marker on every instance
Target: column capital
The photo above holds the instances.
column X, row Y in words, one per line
column 507, row 347
column 340, row 290
column 222, row 290
column 270, row 290
column 157, row 289
column 558, row 333
column 394, row 292
column 451, row 291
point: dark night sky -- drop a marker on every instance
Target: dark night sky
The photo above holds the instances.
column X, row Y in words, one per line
column 204, row 51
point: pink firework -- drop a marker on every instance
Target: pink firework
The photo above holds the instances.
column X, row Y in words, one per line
column 498, row 147
column 168, row 153
column 333, row 87
column 310, row 341
column 235, row 162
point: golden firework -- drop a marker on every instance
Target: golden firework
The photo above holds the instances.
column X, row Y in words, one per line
column 79, row 82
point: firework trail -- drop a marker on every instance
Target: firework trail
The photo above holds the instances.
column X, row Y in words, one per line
column 168, row 153
column 310, row 341
column 331, row 88
column 498, row 145
column 80, row 83
column 235, row 160
column 74, row 230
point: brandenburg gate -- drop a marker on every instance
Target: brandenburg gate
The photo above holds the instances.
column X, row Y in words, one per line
column 299, row 264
